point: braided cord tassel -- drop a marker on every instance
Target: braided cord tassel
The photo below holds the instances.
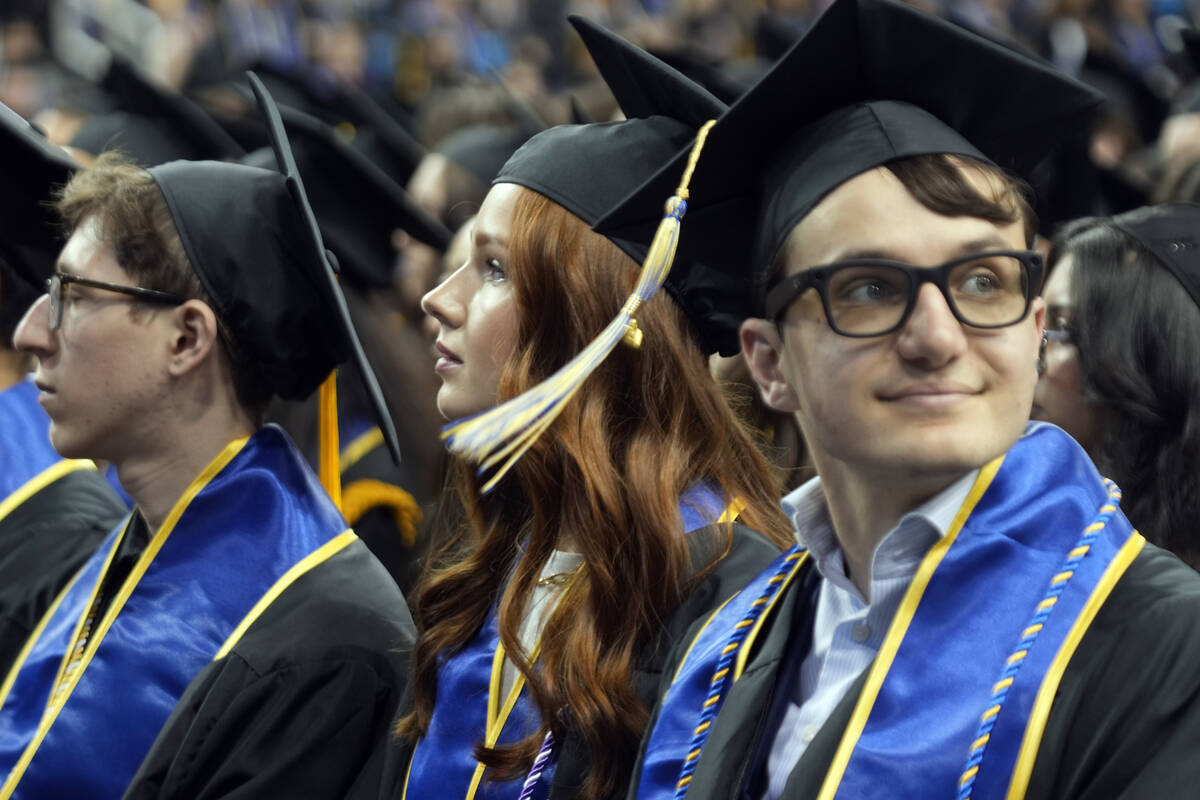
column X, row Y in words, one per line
column 723, row 672
column 987, row 720
column 539, row 766
column 497, row 438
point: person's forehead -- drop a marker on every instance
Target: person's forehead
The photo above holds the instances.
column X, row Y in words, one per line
column 874, row 215
column 493, row 223
column 89, row 255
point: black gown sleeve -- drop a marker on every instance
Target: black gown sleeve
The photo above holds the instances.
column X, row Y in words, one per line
column 749, row 554
column 1126, row 720
column 301, row 705
column 43, row 542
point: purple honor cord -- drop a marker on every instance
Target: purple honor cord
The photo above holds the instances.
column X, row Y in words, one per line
column 539, row 765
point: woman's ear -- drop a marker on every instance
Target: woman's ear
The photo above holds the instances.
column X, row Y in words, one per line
column 193, row 336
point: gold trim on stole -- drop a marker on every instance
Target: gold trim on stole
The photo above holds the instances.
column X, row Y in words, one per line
column 897, row 631
column 61, row 694
column 1036, row 724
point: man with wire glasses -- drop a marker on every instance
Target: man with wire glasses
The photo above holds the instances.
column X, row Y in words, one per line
column 968, row 613
column 232, row 636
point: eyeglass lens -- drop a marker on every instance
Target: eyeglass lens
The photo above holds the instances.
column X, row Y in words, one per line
column 54, row 290
column 871, row 299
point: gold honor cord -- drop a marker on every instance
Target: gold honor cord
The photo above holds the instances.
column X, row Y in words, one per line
column 327, row 432
column 503, row 434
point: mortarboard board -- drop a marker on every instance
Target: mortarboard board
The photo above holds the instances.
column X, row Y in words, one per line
column 152, row 124
column 585, row 169
column 484, row 148
column 870, row 82
column 253, row 241
column 1171, row 232
column 362, row 122
column 30, row 238
column 356, row 204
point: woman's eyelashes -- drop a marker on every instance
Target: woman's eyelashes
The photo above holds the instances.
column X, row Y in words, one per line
column 493, row 271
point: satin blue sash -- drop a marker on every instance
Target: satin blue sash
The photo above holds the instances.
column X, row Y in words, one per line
column 941, row 662
column 26, row 451
column 259, row 511
column 443, row 765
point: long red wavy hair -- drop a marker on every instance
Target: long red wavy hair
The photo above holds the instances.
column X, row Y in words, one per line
column 648, row 424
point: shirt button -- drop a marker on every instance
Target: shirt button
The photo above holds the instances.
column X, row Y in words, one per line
column 861, row 632
column 809, row 733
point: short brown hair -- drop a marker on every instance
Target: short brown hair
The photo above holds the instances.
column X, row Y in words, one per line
column 134, row 220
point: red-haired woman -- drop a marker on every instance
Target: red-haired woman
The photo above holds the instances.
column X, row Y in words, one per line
column 574, row 576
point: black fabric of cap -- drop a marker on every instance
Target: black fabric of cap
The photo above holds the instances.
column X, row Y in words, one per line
column 356, row 204
column 152, row 124
column 586, row 169
column 870, row 82
column 254, row 242
column 482, row 149
column 1171, row 232
column 30, row 238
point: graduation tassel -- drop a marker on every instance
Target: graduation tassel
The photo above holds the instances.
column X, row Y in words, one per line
column 330, row 471
column 498, row 437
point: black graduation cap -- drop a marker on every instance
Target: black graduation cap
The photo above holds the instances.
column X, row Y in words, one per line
column 871, row 81
column 356, row 204
column 364, row 124
column 151, row 124
column 704, row 70
column 254, row 243
column 483, row 149
column 30, row 238
column 1171, row 231
column 589, row 168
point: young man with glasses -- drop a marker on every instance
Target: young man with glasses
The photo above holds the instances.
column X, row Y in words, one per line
column 968, row 613
column 232, row 636
column 53, row 511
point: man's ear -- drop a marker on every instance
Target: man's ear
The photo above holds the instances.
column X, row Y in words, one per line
column 193, row 337
column 763, row 349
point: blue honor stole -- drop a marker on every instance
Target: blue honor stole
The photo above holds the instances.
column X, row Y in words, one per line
column 468, row 701
column 87, row 697
column 28, row 462
column 956, row 701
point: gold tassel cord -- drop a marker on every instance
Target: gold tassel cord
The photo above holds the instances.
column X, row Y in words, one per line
column 499, row 437
column 329, row 470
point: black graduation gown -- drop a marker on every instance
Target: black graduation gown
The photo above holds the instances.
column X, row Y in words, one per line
column 301, row 702
column 1125, row 721
column 749, row 554
column 43, row 541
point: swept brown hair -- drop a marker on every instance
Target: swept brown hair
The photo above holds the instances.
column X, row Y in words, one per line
column 648, row 424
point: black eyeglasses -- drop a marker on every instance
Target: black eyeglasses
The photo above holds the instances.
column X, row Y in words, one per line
column 874, row 296
column 56, row 283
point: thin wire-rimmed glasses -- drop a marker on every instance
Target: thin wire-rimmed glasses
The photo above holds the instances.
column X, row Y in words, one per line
column 875, row 296
column 57, row 282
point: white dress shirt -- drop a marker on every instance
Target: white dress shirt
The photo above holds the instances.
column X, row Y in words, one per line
column 848, row 630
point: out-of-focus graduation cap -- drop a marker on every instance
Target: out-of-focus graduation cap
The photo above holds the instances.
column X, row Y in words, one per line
column 871, row 81
column 1171, row 231
column 151, row 124
column 587, row 169
column 362, row 122
column 253, row 240
column 484, row 148
column 704, row 70
column 356, row 204
column 30, row 239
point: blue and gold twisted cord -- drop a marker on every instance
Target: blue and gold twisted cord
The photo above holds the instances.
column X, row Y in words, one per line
column 723, row 672
column 1042, row 611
